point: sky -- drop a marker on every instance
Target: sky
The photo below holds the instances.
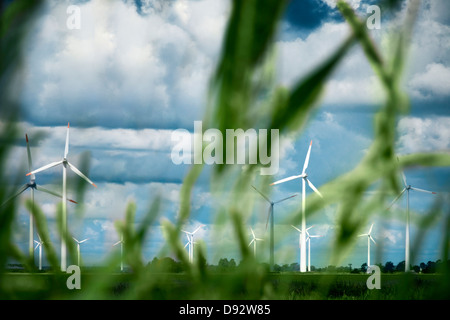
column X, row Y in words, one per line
column 136, row 71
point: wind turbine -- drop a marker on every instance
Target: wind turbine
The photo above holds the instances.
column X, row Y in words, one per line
column 121, row 251
column 65, row 163
column 39, row 244
column 254, row 242
column 308, row 239
column 304, row 177
column 190, row 243
column 407, row 188
column 78, row 247
column 32, row 186
column 309, row 246
column 270, row 215
column 369, row 237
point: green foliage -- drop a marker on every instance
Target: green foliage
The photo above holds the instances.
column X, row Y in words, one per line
column 242, row 95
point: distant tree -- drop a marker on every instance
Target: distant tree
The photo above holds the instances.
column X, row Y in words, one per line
column 355, row 270
column 416, row 268
column 364, row 267
column 423, row 267
column 331, row 268
column 276, row 268
column 389, row 267
column 223, row 265
column 431, row 267
column 294, row 267
column 400, row 267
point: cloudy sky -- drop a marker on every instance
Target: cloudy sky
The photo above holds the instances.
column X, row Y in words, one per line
column 136, row 71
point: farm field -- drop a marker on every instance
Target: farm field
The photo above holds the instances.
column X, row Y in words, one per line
column 229, row 286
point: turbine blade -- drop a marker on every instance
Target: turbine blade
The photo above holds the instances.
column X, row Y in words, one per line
column 187, row 243
column 84, row 240
column 364, row 234
column 251, row 242
column 30, row 162
column 262, row 194
column 21, row 190
column 253, row 233
column 372, row 239
column 268, row 216
column 396, row 199
column 403, row 176
column 305, row 165
column 198, row 228
column 370, row 230
column 294, row 195
column 53, row 164
column 422, row 190
column 75, row 240
column 40, row 188
column 404, row 179
column 296, row 228
column 115, row 244
column 314, row 188
column 78, row 172
column 66, row 149
column 285, row 179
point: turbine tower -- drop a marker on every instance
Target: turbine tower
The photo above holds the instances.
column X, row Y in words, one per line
column 308, row 239
column 190, row 243
column 78, row 247
column 369, row 237
column 39, row 244
column 65, row 163
column 254, row 239
column 121, row 251
column 270, row 215
column 304, row 177
column 407, row 188
column 32, row 185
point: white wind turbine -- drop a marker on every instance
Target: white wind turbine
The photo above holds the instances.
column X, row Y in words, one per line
column 304, row 177
column 39, row 244
column 308, row 239
column 65, row 163
column 407, row 188
column 254, row 239
column 32, row 185
column 369, row 237
column 190, row 243
column 270, row 215
column 78, row 247
column 121, row 251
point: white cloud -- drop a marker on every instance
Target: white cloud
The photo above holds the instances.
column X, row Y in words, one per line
column 423, row 134
column 353, row 3
column 434, row 81
column 122, row 68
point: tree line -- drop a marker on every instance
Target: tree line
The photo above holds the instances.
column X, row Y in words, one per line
column 168, row 264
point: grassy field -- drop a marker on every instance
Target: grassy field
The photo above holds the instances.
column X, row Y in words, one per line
column 230, row 286
column 244, row 94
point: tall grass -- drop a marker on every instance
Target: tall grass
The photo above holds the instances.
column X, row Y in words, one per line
column 243, row 94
